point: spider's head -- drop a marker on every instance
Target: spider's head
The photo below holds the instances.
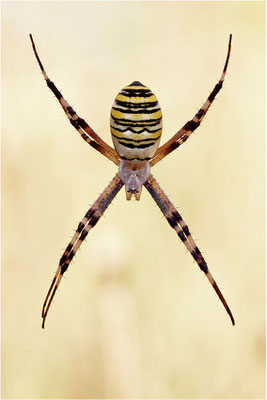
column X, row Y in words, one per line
column 134, row 174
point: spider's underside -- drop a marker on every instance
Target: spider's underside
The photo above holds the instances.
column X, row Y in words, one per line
column 136, row 126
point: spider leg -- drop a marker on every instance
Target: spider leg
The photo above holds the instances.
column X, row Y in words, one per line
column 177, row 223
column 79, row 124
column 183, row 134
column 87, row 223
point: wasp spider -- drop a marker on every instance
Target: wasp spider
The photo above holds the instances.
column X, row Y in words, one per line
column 136, row 126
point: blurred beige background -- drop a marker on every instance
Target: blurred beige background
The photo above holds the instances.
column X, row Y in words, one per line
column 134, row 318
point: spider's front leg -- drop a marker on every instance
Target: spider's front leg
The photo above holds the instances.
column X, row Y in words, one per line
column 87, row 223
column 177, row 223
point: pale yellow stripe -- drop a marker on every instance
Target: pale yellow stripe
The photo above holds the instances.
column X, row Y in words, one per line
column 136, row 136
column 136, row 88
column 135, row 117
column 136, row 100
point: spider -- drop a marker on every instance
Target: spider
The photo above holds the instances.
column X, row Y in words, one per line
column 136, row 126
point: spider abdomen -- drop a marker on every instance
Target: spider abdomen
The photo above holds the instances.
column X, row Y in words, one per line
column 136, row 122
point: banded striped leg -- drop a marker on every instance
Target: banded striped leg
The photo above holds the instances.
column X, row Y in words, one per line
column 176, row 222
column 183, row 134
column 79, row 124
column 87, row 223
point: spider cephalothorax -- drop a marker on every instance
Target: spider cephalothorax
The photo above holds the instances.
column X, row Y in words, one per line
column 136, row 127
column 134, row 174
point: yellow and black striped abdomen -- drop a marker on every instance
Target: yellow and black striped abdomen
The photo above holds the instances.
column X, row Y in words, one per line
column 136, row 122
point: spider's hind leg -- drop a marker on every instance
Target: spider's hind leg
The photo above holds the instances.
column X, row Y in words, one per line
column 86, row 132
column 184, row 133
